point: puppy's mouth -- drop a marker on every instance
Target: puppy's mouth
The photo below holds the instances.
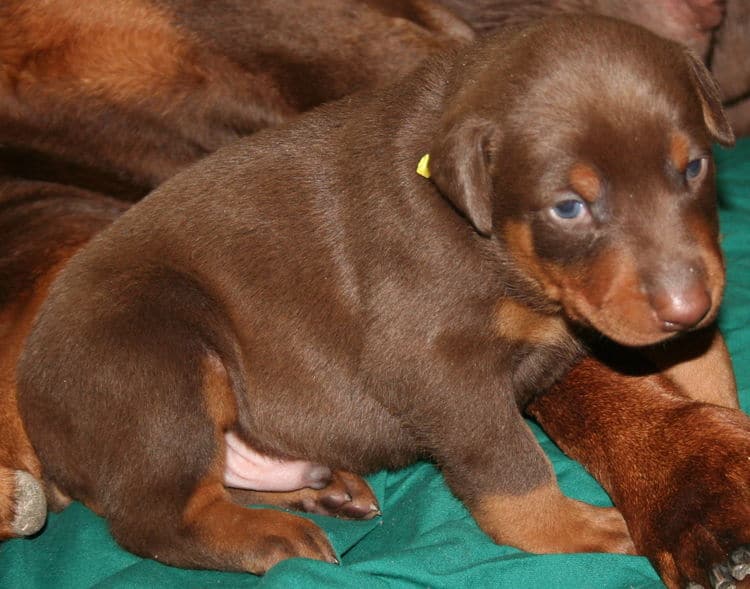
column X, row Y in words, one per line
column 648, row 318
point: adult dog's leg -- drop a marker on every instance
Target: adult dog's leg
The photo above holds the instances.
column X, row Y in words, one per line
column 700, row 366
column 674, row 466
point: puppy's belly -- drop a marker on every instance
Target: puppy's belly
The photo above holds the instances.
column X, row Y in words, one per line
column 341, row 431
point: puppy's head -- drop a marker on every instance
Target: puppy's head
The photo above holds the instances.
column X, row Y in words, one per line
column 583, row 146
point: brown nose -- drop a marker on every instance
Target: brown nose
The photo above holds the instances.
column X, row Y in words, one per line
column 681, row 308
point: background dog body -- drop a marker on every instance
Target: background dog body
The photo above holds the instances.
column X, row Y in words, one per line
column 42, row 226
column 117, row 96
column 132, row 90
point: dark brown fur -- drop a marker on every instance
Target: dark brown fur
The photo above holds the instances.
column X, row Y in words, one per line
column 313, row 263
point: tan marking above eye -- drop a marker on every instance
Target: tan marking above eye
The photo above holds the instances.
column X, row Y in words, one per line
column 679, row 151
column 585, row 181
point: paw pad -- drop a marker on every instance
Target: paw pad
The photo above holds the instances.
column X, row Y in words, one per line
column 30, row 505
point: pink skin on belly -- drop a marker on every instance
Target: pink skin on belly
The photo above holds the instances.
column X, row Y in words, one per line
column 247, row 469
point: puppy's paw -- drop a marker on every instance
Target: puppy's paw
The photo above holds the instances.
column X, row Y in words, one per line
column 347, row 495
column 293, row 538
column 544, row 521
column 23, row 508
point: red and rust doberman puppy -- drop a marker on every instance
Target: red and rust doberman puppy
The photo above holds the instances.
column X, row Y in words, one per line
column 114, row 97
column 313, row 263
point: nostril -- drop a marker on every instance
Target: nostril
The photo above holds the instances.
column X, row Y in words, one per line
column 681, row 309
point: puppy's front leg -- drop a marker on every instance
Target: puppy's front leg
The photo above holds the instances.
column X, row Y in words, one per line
column 502, row 474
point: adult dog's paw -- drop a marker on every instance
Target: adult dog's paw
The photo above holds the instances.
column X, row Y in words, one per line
column 23, row 508
column 693, row 520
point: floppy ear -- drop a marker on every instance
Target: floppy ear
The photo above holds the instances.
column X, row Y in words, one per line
column 459, row 168
column 710, row 95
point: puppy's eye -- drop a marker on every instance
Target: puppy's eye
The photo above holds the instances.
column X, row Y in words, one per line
column 696, row 169
column 571, row 208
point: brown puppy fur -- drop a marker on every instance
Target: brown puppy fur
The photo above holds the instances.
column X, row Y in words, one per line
column 313, row 263
column 42, row 226
column 125, row 92
column 115, row 97
column 718, row 30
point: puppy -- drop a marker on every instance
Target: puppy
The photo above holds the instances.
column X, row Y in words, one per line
column 316, row 297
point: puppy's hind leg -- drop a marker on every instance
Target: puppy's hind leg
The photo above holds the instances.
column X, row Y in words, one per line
column 254, row 478
column 127, row 405
column 201, row 526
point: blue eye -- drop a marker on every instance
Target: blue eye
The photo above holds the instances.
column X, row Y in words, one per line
column 569, row 209
column 694, row 168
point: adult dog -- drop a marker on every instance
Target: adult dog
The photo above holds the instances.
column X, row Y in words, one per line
column 116, row 96
column 717, row 30
column 317, row 298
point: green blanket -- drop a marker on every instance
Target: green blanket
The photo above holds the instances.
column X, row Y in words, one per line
column 425, row 537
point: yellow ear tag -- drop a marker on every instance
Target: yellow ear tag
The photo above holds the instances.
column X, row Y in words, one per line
column 423, row 167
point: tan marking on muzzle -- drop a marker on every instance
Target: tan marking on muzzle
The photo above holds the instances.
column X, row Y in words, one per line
column 608, row 296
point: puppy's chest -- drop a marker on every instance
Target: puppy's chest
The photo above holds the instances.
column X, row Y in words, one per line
column 538, row 348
